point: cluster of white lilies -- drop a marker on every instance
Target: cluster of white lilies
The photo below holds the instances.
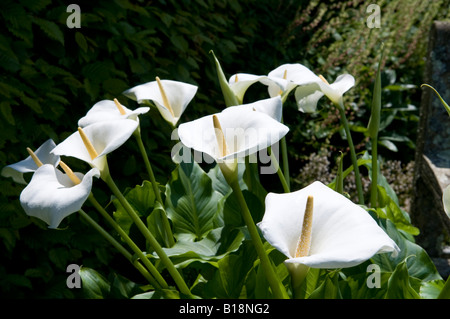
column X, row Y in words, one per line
column 313, row 227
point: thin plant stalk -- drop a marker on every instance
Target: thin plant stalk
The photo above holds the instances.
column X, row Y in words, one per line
column 280, row 174
column 181, row 284
column 156, row 190
column 353, row 157
column 161, row 283
column 277, row 287
column 119, row 247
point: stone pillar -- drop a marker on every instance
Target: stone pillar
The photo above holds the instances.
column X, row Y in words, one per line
column 432, row 171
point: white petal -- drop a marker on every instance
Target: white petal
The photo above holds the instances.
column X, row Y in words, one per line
column 297, row 73
column 51, row 196
column 307, row 97
column 246, row 132
column 106, row 110
column 343, row 233
column 272, row 107
column 104, row 136
column 343, row 83
column 179, row 95
column 15, row 171
column 245, row 80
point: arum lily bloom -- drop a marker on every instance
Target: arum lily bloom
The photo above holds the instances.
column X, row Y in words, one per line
column 28, row 165
column 280, row 81
column 170, row 97
column 92, row 143
column 308, row 95
column 272, row 107
column 232, row 134
column 108, row 110
column 342, row 234
column 239, row 83
column 51, row 195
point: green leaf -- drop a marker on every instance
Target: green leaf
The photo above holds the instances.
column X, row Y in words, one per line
column 191, row 202
column 447, row 107
column 51, row 29
column 122, row 287
column 217, row 244
column 431, row 289
column 400, row 284
column 228, row 94
column 416, row 258
column 141, row 198
column 81, row 41
column 5, row 109
column 329, row 289
column 229, row 279
column 94, row 285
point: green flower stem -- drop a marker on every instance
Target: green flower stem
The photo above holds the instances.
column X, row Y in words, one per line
column 161, row 283
column 277, row 287
column 280, row 174
column 352, row 154
column 156, row 190
column 149, row 237
column 374, row 188
column 284, row 157
column 298, row 274
column 119, row 247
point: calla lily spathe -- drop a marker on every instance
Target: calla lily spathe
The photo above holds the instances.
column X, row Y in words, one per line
column 28, row 165
column 107, row 110
column 170, row 97
column 51, row 195
column 343, row 234
column 308, row 95
column 105, row 138
column 245, row 132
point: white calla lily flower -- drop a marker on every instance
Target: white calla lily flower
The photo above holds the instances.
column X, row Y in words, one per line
column 240, row 82
column 308, row 95
column 245, row 132
column 170, row 97
column 28, row 165
column 92, row 143
column 108, row 110
column 341, row 234
column 51, row 195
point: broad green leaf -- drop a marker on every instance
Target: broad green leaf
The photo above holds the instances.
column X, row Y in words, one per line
column 217, row 244
column 418, row 262
column 122, row 287
column 191, row 202
column 141, row 198
column 431, row 289
column 400, row 284
column 229, row 278
column 81, row 41
column 329, row 289
column 389, row 209
column 94, row 285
